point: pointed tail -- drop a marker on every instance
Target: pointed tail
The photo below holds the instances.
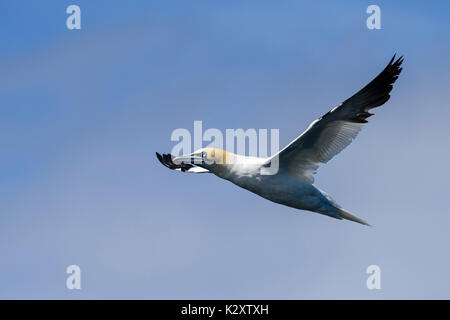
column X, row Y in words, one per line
column 348, row 216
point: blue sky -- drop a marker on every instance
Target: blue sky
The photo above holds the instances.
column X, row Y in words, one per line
column 83, row 111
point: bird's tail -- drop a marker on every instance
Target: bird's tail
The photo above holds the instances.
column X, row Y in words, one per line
column 348, row 216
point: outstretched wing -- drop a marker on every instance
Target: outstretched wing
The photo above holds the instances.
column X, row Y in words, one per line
column 166, row 160
column 335, row 130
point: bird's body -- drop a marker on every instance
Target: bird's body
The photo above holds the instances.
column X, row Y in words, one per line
column 283, row 187
column 291, row 184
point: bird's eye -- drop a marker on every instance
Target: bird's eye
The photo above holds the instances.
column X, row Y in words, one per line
column 203, row 154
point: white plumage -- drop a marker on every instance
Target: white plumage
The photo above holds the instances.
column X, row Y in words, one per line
column 298, row 161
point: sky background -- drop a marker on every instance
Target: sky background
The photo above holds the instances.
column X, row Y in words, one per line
column 82, row 113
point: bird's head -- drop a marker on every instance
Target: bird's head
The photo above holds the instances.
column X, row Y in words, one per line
column 206, row 157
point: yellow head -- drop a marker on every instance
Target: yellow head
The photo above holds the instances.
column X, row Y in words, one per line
column 207, row 157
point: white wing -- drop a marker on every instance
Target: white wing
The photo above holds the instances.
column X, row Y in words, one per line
column 330, row 134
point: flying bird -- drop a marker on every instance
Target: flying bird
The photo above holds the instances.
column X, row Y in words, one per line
column 292, row 185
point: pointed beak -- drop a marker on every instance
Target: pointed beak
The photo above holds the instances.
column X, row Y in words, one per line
column 187, row 158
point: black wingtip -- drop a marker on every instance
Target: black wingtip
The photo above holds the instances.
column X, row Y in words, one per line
column 163, row 160
column 393, row 58
column 166, row 160
column 396, row 63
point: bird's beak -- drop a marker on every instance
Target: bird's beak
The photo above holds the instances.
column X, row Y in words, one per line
column 188, row 158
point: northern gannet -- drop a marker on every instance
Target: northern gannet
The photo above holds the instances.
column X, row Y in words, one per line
column 325, row 137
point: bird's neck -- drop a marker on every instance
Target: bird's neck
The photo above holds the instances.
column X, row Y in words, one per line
column 237, row 167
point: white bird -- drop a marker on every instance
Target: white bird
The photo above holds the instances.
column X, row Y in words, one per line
column 325, row 137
